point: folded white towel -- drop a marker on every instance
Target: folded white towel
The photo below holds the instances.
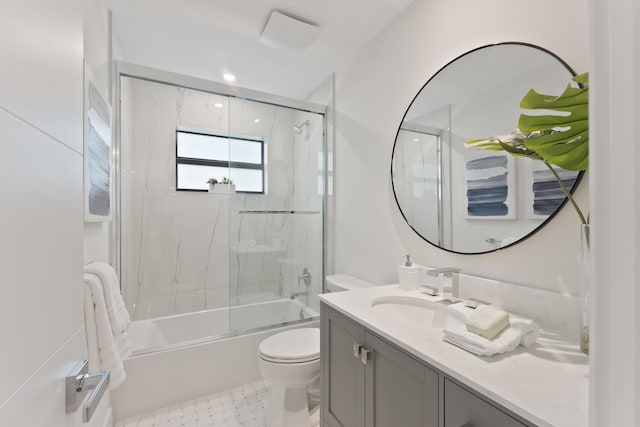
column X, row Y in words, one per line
column 118, row 314
column 521, row 331
column 103, row 352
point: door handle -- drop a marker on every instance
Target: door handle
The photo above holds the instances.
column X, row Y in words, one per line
column 365, row 355
column 356, row 350
column 79, row 382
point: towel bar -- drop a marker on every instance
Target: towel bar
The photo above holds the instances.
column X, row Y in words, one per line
column 79, row 382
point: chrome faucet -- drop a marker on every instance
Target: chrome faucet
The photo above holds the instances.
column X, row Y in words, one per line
column 305, row 277
column 445, row 271
column 452, row 272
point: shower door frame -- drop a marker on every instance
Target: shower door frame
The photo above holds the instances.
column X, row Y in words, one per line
column 127, row 69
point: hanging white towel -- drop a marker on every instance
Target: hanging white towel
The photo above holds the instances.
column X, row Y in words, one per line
column 521, row 331
column 118, row 314
column 91, row 329
column 102, row 350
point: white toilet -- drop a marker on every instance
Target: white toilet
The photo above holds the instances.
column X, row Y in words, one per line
column 344, row 282
column 290, row 361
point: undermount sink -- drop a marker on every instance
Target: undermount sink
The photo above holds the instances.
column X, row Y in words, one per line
column 417, row 312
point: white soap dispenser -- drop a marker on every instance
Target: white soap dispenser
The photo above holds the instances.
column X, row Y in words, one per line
column 408, row 275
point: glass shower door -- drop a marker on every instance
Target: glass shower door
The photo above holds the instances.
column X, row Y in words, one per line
column 174, row 256
column 275, row 251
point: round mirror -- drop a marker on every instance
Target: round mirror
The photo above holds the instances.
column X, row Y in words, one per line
column 468, row 200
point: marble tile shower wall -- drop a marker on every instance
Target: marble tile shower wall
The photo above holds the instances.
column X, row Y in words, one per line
column 186, row 251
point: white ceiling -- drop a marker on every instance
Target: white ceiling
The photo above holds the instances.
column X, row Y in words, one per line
column 206, row 38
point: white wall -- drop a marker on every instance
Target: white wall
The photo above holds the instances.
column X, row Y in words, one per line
column 96, row 54
column 97, row 60
column 372, row 94
column 324, row 95
column 615, row 234
column 41, row 322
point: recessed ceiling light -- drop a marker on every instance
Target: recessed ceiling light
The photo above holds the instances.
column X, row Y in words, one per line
column 416, row 139
column 229, row 77
column 256, row 121
column 218, row 105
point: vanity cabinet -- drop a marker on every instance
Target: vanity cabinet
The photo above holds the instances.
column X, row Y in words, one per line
column 369, row 382
column 462, row 408
column 343, row 374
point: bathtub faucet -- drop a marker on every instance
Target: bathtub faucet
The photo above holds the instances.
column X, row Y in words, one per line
column 306, row 277
column 294, row 295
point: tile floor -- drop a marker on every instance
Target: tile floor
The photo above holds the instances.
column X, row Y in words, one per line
column 239, row 407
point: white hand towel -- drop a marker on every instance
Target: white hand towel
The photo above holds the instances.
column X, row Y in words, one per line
column 118, row 314
column 521, row 331
column 101, row 345
column 91, row 330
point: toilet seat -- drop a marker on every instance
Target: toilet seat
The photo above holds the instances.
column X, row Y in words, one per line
column 293, row 346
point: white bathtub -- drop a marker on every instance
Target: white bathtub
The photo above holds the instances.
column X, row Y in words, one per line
column 182, row 357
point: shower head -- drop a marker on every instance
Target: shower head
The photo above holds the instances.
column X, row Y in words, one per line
column 298, row 129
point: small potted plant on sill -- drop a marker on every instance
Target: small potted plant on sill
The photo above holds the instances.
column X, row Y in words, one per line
column 224, row 186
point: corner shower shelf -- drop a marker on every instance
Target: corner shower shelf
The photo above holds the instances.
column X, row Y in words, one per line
column 277, row 212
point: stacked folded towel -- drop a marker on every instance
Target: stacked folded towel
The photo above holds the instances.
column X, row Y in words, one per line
column 520, row 331
column 106, row 321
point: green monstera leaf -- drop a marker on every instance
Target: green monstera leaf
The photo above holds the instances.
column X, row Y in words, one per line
column 560, row 137
column 512, row 143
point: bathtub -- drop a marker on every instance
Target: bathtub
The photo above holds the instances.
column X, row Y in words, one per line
column 182, row 357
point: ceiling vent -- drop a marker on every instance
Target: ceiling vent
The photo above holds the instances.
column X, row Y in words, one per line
column 286, row 32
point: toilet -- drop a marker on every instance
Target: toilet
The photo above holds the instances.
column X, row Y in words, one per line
column 290, row 361
column 344, row 282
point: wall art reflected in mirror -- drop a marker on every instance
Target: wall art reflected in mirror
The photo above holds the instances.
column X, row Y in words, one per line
column 473, row 201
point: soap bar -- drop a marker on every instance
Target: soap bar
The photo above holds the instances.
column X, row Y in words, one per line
column 487, row 321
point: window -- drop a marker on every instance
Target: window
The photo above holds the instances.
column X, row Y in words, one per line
column 200, row 156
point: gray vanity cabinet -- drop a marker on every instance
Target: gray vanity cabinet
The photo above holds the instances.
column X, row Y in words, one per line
column 462, row 408
column 400, row 391
column 369, row 383
column 343, row 374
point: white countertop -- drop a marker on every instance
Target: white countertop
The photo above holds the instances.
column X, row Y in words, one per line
column 546, row 383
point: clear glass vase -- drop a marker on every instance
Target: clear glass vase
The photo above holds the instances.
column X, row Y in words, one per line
column 585, row 260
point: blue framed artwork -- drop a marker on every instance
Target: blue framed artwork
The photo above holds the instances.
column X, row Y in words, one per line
column 545, row 193
column 97, row 153
column 490, row 192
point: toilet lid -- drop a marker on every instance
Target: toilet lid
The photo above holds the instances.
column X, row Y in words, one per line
column 295, row 345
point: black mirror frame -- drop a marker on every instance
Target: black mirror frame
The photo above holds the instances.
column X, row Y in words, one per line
column 541, row 225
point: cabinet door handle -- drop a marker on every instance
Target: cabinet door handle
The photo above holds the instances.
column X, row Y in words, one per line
column 356, row 350
column 364, row 355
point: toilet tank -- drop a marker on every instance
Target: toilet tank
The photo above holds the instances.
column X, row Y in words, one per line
column 344, row 282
